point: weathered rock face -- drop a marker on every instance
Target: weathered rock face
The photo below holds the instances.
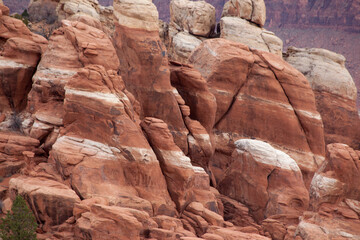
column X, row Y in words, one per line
column 142, row 160
column 111, row 222
column 52, row 202
column 13, row 150
column 137, row 14
column 194, row 90
column 251, row 10
column 108, row 159
column 181, row 46
column 240, row 30
column 272, row 109
column 276, row 187
column 334, row 196
column 197, row 18
column 46, row 15
column 335, row 92
column 20, row 54
column 144, row 68
column 186, row 183
column 338, row 178
column 71, row 47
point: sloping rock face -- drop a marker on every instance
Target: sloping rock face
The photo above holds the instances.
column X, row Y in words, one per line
column 71, row 47
column 144, row 67
column 52, row 202
column 121, row 155
column 243, row 99
column 116, row 221
column 264, row 190
column 335, row 92
column 185, row 182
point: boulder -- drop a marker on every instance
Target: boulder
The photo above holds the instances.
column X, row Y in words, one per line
column 112, row 222
column 334, row 89
column 251, row 10
column 338, row 177
column 139, row 14
column 51, row 202
column 182, row 44
column 195, row 17
column 260, row 96
column 242, row 31
column 265, row 179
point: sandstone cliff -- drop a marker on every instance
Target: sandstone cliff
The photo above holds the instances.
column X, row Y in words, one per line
column 111, row 130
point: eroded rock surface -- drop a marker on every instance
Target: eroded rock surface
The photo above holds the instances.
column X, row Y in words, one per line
column 251, row 10
column 276, row 187
column 240, row 30
column 266, row 96
column 335, row 92
column 195, row 17
column 116, row 142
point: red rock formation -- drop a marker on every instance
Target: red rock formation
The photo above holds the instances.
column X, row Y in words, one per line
column 186, row 183
column 144, row 68
column 334, row 196
column 263, row 84
column 108, row 176
column 109, row 158
column 20, row 54
column 265, row 190
column 334, row 90
column 52, row 202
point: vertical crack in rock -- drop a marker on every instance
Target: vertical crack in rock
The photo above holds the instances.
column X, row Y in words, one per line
column 235, row 96
column 295, row 111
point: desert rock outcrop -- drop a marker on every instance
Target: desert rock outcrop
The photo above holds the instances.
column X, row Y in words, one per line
column 114, row 141
column 251, row 10
column 335, row 92
column 197, row 18
column 241, row 96
column 20, row 54
column 266, row 192
column 240, row 30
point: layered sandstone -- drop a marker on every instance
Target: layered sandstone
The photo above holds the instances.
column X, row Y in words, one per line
column 20, row 54
column 335, row 92
column 251, row 10
column 264, row 190
column 116, row 142
column 334, row 197
column 240, row 30
column 197, row 18
column 232, row 73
